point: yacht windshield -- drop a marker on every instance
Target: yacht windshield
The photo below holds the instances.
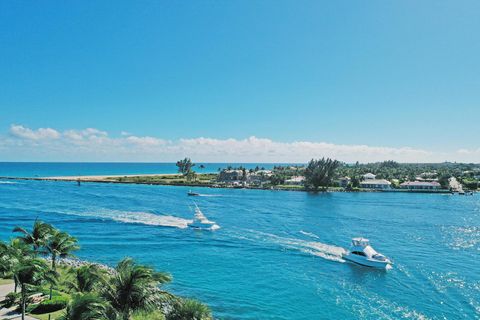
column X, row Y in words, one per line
column 379, row 257
column 359, row 253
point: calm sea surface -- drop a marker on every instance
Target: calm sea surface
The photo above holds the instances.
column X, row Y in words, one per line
column 49, row 169
column 277, row 254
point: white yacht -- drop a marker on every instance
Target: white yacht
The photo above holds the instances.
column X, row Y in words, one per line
column 363, row 254
column 191, row 193
column 201, row 222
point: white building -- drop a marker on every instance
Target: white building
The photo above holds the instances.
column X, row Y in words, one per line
column 298, row 180
column 381, row 184
column 258, row 177
column 369, row 176
column 344, row 181
column 420, row 185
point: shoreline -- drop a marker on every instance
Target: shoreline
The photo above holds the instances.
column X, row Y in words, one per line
column 117, row 179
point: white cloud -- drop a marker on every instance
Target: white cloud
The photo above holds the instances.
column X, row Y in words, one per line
column 145, row 141
column 299, row 151
column 90, row 144
column 26, row 133
column 469, row 155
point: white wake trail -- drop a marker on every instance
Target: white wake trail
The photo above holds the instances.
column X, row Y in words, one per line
column 8, row 182
column 319, row 249
column 145, row 218
column 309, row 234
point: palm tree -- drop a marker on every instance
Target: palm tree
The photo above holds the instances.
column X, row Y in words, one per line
column 86, row 306
column 38, row 236
column 29, row 273
column 60, row 245
column 11, row 255
column 189, row 309
column 86, row 278
column 134, row 288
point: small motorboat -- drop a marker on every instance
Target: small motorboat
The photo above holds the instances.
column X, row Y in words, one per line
column 201, row 222
column 363, row 254
column 191, row 193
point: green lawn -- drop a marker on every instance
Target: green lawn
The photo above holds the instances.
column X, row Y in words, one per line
column 5, row 281
column 167, row 179
column 54, row 315
column 290, row 187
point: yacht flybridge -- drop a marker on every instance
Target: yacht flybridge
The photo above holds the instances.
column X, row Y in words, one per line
column 363, row 254
column 201, row 222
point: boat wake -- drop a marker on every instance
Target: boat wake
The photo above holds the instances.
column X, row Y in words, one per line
column 359, row 300
column 151, row 219
column 309, row 234
column 144, row 218
column 315, row 248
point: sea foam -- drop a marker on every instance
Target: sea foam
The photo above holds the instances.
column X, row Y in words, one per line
column 8, row 182
column 145, row 218
column 319, row 249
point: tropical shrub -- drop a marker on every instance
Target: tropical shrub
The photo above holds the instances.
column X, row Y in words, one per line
column 155, row 315
column 10, row 300
column 190, row 309
column 47, row 306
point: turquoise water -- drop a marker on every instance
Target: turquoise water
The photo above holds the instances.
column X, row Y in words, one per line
column 277, row 254
column 49, row 169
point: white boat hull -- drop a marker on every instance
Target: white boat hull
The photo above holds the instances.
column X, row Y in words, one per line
column 201, row 226
column 363, row 261
column 200, row 222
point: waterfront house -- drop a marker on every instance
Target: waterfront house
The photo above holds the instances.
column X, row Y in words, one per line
column 230, row 175
column 369, row 176
column 420, row 185
column 295, row 180
column 258, row 177
column 344, row 181
column 380, row 184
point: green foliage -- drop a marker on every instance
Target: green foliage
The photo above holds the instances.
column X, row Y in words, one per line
column 52, row 305
column 191, row 176
column 37, row 237
column 189, row 309
column 10, row 300
column 185, row 166
column 87, row 306
column 277, row 178
column 410, row 171
column 154, row 315
column 134, row 288
column 11, row 254
column 320, row 173
column 28, row 274
column 86, row 278
column 55, row 293
column 470, row 183
column 131, row 291
column 60, row 244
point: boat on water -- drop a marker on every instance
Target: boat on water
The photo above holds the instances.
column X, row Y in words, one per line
column 362, row 253
column 200, row 222
column 191, row 193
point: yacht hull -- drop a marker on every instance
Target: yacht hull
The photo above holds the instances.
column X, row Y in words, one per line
column 367, row 262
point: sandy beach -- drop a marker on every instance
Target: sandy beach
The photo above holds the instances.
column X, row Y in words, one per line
column 104, row 177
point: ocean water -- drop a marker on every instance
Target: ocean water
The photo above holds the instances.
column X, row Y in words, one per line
column 49, row 169
column 277, row 254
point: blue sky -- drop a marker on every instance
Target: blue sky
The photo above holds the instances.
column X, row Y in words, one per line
column 390, row 74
